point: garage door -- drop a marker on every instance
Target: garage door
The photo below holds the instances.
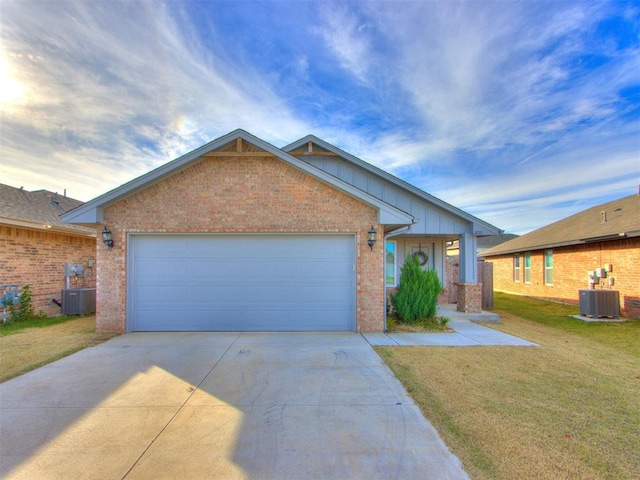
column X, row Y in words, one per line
column 241, row 283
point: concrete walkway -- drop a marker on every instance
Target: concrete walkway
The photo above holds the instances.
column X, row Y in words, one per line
column 466, row 334
column 218, row 405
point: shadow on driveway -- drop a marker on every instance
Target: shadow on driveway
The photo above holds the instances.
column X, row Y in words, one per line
column 218, row 405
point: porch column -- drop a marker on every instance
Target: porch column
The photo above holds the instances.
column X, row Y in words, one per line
column 469, row 290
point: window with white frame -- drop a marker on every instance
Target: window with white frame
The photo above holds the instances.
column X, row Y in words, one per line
column 516, row 267
column 390, row 257
column 548, row 267
column 527, row 267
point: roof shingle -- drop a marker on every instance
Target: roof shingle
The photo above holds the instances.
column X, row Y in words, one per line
column 40, row 207
column 608, row 221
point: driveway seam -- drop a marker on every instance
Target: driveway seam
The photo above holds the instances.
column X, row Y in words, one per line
column 179, row 409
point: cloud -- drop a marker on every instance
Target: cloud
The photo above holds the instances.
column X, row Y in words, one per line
column 506, row 109
column 107, row 85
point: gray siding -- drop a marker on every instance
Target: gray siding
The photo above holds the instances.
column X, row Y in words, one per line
column 432, row 220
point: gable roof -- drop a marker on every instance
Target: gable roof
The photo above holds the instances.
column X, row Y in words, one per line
column 479, row 225
column 92, row 211
column 39, row 210
column 614, row 220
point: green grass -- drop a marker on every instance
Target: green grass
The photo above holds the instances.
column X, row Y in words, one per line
column 39, row 322
column 566, row 409
column 624, row 336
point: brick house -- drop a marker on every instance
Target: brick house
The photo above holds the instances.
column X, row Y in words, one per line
column 556, row 261
column 240, row 235
column 36, row 244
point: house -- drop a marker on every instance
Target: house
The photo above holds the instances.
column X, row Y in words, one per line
column 36, row 244
column 239, row 235
column 598, row 248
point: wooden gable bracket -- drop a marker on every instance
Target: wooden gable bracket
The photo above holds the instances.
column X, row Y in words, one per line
column 311, row 153
column 239, row 152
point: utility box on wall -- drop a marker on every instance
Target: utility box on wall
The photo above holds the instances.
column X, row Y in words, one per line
column 78, row 301
column 600, row 303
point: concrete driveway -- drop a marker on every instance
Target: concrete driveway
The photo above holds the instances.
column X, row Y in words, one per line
column 219, row 405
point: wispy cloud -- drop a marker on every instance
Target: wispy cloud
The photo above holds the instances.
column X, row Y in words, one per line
column 119, row 89
column 514, row 111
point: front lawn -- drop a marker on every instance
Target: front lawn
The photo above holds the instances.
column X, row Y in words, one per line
column 566, row 409
column 27, row 345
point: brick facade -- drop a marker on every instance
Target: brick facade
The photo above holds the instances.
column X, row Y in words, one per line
column 239, row 194
column 570, row 267
column 38, row 257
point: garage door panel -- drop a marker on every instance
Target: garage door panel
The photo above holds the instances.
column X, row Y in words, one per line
column 212, row 271
column 152, row 294
column 242, row 282
column 160, row 270
column 215, row 294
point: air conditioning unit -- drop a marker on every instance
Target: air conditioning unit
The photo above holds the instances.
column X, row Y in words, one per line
column 599, row 303
column 78, row 301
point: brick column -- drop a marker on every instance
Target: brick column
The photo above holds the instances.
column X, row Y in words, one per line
column 470, row 297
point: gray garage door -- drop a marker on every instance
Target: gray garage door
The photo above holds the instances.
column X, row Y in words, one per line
column 241, row 283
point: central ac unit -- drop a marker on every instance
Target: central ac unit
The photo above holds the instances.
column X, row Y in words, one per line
column 78, row 301
column 600, row 303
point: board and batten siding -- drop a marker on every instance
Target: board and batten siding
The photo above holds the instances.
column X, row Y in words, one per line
column 430, row 219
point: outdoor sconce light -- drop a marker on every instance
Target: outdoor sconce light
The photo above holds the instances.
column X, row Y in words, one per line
column 371, row 238
column 106, row 237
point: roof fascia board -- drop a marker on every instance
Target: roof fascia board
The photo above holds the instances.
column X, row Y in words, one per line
column 13, row 222
column 585, row 241
column 92, row 211
column 396, row 181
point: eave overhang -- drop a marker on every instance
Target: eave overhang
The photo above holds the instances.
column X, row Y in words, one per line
column 14, row 222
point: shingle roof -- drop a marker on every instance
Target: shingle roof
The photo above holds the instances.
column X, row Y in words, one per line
column 610, row 221
column 40, row 209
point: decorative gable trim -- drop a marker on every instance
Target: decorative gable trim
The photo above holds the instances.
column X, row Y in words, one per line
column 92, row 212
column 307, row 146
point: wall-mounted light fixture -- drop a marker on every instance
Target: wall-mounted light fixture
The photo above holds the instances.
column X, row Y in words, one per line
column 106, row 237
column 371, row 238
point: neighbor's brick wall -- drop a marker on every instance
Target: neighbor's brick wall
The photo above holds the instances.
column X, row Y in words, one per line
column 239, row 195
column 570, row 267
column 37, row 258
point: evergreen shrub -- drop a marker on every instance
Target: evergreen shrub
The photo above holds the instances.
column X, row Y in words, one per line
column 417, row 295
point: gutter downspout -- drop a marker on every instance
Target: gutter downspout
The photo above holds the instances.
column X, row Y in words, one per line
column 393, row 233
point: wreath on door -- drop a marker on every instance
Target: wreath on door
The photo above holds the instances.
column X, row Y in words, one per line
column 422, row 257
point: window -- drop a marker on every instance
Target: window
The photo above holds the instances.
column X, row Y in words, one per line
column 516, row 267
column 527, row 267
column 390, row 264
column 548, row 267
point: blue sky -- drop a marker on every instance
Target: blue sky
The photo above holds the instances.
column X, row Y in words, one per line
column 519, row 112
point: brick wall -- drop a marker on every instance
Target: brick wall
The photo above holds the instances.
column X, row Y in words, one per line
column 570, row 267
column 239, row 195
column 469, row 297
column 37, row 258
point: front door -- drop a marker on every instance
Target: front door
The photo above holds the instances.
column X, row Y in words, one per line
column 423, row 251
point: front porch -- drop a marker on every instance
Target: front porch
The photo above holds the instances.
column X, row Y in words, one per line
column 462, row 286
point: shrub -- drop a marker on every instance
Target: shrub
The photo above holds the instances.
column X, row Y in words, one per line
column 24, row 311
column 418, row 290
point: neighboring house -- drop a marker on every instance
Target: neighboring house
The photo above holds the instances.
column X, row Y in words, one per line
column 239, row 235
column 596, row 248
column 35, row 245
